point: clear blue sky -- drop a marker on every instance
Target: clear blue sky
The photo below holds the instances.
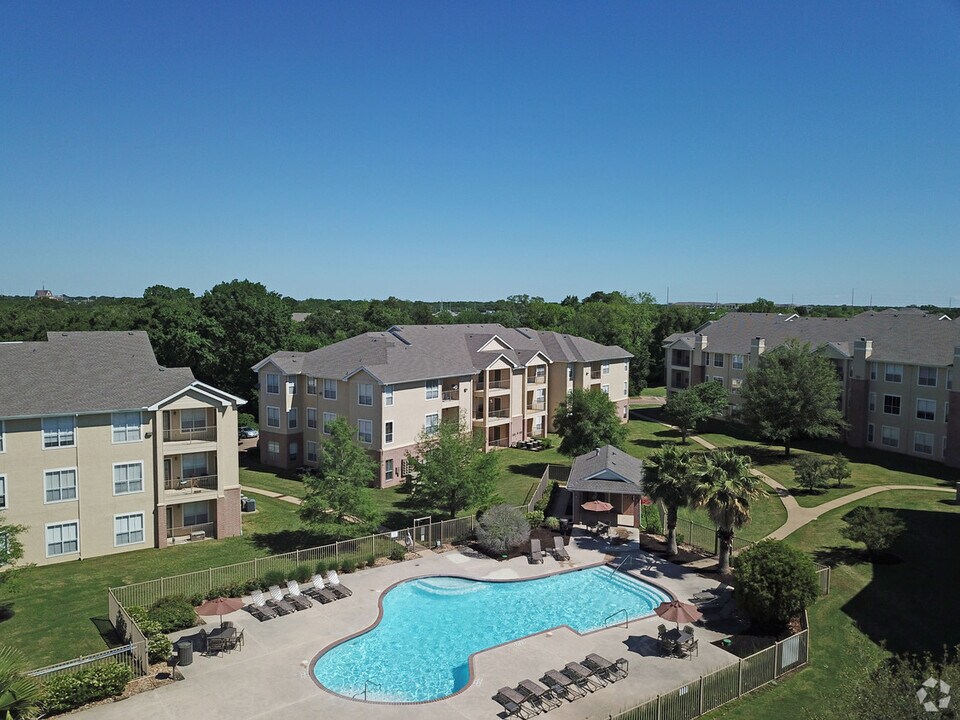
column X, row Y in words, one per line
column 480, row 149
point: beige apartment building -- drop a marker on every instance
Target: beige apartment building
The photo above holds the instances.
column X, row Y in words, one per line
column 104, row 451
column 896, row 368
column 392, row 386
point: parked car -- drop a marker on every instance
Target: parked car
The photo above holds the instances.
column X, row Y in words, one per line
column 248, row 432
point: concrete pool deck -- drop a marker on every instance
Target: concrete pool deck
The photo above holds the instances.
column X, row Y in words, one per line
column 270, row 676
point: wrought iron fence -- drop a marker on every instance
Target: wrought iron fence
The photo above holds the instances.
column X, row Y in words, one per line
column 128, row 654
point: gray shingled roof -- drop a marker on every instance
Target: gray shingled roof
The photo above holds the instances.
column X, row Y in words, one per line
column 600, row 471
column 907, row 337
column 83, row 372
column 408, row 353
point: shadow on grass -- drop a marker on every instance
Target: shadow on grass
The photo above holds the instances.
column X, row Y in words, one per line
column 6, row 611
column 533, row 469
column 107, row 632
column 284, row 541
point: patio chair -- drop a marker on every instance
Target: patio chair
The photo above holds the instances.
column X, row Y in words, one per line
column 536, row 552
column 661, row 630
column 609, row 671
column 562, row 685
column 688, row 629
column 259, row 608
column 559, row 551
column 542, row 697
column 583, row 677
column 686, row 650
column 216, row 645
column 318, row 590
column 338, row 588
column 277, row 602
column 667, row 647
column 507, row 698
column 297, row 598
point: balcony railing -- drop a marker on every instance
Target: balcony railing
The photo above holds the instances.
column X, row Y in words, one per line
column 191, row 484
column 499, row 442
column 537, row 379
column 594, row 374
column 499, row 384
column 192, row 532
column 451, row 396
column 199, row 434
column 498, row 413
column 537, row 406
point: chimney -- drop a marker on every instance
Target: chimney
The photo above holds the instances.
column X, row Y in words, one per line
column 699, row 342
column 862, row 350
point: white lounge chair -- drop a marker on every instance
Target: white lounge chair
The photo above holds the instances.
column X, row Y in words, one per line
column 278, row 602
column 338, row 588
column 297, row 598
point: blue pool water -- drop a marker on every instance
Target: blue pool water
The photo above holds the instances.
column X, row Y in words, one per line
column 431, row 626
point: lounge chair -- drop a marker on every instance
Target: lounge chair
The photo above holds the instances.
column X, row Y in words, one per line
column 562, row 685
column 512, row 702
column 583, row 676
column 277, row 602
column 539, row 695
column 259, row 608
column 338, row 588
column 297, row 598
column 610, row 671
column 559, row 551
column 536, row 553
column 318, row 590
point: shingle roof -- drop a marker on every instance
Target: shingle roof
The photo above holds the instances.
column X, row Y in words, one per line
column 609, row 464
column 912, row 338
column 82, row 372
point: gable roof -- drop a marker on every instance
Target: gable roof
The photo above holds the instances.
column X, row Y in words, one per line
column 607, row 469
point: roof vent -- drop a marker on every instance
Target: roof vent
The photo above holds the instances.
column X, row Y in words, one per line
column 597, row 451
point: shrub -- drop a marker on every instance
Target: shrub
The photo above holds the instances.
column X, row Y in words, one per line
column 63, row 693
column 359, row 564
column 302, row 573
column 810, row 472
column 544, row 502
column 274, row 577
column 502, row 528
column 875, row 528
column 322, row 567
column 252, row 584
column 159, row 648
column 535, row 518
column 551, row 523
column 547, row 442
column 347, row 565
column 172, row 612
column 650, row 517
column 197, row 599
column 775, row 582
column 397, row 553
column 371, row 560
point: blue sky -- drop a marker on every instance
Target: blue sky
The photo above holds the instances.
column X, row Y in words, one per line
column 444, row 150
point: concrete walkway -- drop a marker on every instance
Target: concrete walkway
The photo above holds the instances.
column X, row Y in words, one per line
column 271, row 494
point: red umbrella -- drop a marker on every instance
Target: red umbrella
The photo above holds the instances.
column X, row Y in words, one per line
column 219, row 606
column 646, row 501
column 597, row 506
column 678, row 612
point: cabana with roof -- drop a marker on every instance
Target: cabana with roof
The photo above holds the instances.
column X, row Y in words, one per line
column 609, row 476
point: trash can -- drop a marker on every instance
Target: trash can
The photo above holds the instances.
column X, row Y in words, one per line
column 184, row 652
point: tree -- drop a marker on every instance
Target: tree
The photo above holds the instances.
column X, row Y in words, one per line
column 687, row 408
column 450, row 470
column 336, row 489
column 20, row 694
column 11, row 549
column 672, row 484
column 586, row 420
column 502, row 528
column 810, row 472
column 725, row 487
column 838, row 468
column 876, row 528
column 792, row 392
column 775, row 583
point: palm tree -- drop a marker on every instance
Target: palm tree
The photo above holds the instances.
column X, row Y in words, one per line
column 725, row 487
column 672, row 485
column 19, row 693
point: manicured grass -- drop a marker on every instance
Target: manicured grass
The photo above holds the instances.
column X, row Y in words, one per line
column 660, row 391
column 767, row 513
column 265, row 479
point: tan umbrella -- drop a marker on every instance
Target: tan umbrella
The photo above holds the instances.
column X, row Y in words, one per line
column 678, row 612
column 597, row 506
column 219, row 606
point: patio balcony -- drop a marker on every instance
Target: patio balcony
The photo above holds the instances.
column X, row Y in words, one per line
column 537, row 379
column 595, row 374
column 191, row 434
column 189, row 486
column 536, row 406
column 450, row 396
column 191, row 533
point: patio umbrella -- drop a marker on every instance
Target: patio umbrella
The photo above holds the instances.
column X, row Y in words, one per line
column 219, row 606
column 597, row 506
column 678, row 612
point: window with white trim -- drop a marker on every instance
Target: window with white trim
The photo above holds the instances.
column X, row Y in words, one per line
column 388, row 395
column 923, row 443
column 890, row 436
column 311, row 386
column 626, row 388
column 388, row 469
column 3, row 492
column 736, row 362
column 273, row 450
column 127, row 529
column 626, row 366
column 891, row 404
column 273, row 383
column 927, row 376
column 365, row 431
column 291, row 385
column 872, row 402
column 63, row 538
column 59, row 431
column 718, row 379
column 60, row 485
column 126, row 426
column 196, row 513
column 569, row 372
column 388, row 432
column 735, row 384
column 328, row 420
column 194, row 465
column 3, row 437
column 365, row 394
column 893, row 372
column 312, row 418
column 127, row 478
column 432, row 389
column 193, row 419
column 873, row 371
column 431, row 423
column 329, row 389
column 605, row 389
column 273, row 416
column 292, row 419
column 605, row 368
column 311, row 451
column 870, row 432
column 293, row 451
column 706, row 359
column 926, row 409
column 538, row 424
column 718, row 359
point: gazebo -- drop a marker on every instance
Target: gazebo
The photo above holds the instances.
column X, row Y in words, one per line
column 611, row 476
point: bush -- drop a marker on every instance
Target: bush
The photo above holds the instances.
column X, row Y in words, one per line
column 322, row 567
column 810, row 472
column 552, row 523
column 650, row 517
column 273, row 577
column 875, row 528
column 397, row 553
column 547, row 442
column 63, row 693
column 159, row 646
column 247, row 420
column 347, row 565
column 371, row 560
column 359, row 565
column 535, row 518
column 775, row 582
column 172, row 612
column 544, row 502
column 502, row 528
column 302, row 573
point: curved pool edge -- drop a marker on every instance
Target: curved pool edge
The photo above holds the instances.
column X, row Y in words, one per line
column 470, row 657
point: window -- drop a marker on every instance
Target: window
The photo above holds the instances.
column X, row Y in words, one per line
column 194, row 465
column 3, row 437
column 312, row 418
column 538, row 424
column 3, row 492
column 127, row 529
column 923, row 443
column 60, row 485
column 127, row 478
column 293, row 451
column 433, row 389
column 737, row 362
column 273, row 417
column 890, row 436
column 388, row 433
column 926, row 409
column 62, row 538
column 626, row 388
column 718, row 379
column 311, row 386
column 311, row 451
column 364, row 393
column 273, row 450
column 872, row 402
column 569, row 372
column 404, row 468
column 870, row 433
column 329, row 389
column 735, row 384
column 605, row 368
column 291, row 385
column 328, row 420
column 365, row 431
column 292, row 418
column 273, row 383
column 706, row 358
column 196, row 513
column 388, row 470
column 431, row 424
column 59, row 432
column 626, row 366
column 388, row 395
column 873, row 371
column 605, row 389
column 193, row 419
column 927, row 376
column 891, row 404
column 946, row 411
column 718, row 359
column 126, row 427
column 949, row 383
column 893, row 372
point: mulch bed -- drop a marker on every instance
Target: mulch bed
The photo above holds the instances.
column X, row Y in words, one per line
column 749, row 641
column 541, row 533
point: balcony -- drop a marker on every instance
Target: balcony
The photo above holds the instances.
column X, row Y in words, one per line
column 195, row 434
column 190, row 533
column 450, row 396
column 190, row 485
column 499, row 442
column 536, row 379
column 536, row 406
column 595, row 374
column 495, row 414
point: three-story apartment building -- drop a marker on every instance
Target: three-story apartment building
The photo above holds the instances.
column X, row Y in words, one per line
column 392, row 386
column 103, row 451
column 896, row 369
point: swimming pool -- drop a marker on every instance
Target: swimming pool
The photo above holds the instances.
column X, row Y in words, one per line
column 431, row 626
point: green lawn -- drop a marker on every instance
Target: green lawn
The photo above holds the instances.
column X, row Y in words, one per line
column 265, row 479
column 767, row 513
column 660, row 391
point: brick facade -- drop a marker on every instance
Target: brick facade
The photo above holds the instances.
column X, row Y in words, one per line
column 228, row 513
